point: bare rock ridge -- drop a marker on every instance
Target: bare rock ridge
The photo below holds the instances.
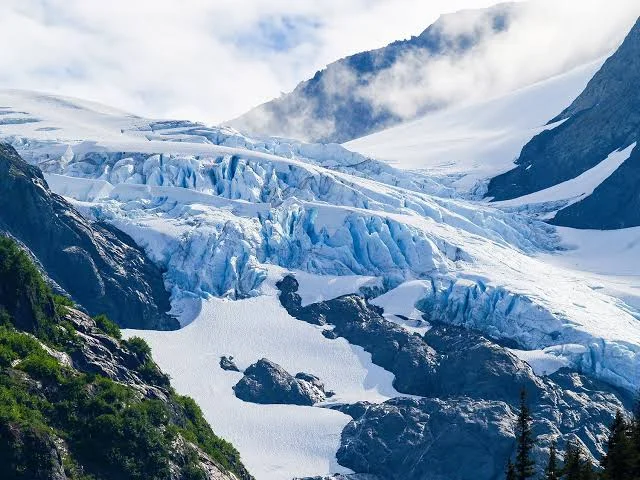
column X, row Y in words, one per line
column 333, row 107
column 99, row 266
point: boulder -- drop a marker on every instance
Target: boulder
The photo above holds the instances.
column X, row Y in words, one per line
column 265, row 382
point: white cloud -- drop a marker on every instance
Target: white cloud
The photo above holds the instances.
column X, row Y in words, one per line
column 204, row 59
column 546, row 38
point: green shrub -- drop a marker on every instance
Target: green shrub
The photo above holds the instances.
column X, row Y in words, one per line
column 140, row 347
column 150, row 373
column 42, row 366
column 22, row 282
column 198, row 431
column 110, row 429
column 108, row 327
column 62, row 304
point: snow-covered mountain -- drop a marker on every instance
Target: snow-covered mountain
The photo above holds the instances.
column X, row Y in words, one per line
column 341, row 102
column 463, row 147
column 381, row 284
column 602, row 123
column 227, row 217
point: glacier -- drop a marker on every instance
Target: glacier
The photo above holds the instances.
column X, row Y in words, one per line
column 218, row 210
column 226, row 216
column 217, row 219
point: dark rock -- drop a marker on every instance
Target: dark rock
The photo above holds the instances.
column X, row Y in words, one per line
column 227, row 363
column 330, row 334
column 604, row 118
column 99, row 266
column 614, row 204
column 268, row 383
column 413, row 439
column 101, row 354
column 497, row 374
column 471, row 385
column 406, row 355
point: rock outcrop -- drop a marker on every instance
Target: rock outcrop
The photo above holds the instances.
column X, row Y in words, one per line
column 227, row 363
column 470, row 387
column 99, row 266
column 406, row 355
column 268, row 383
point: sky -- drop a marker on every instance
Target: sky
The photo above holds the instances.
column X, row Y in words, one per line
column 210, row 60
column 207, row 60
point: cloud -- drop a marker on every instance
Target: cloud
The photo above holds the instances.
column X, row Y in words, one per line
column 212, row 60
column 545, row 38
column 199, row 59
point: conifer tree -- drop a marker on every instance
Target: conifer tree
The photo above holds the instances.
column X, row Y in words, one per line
column 573, row 467
column 634, row 434
column 617, row 463
column 588, row 472
column 511, row 471
column 552, row 470
column 524, row 465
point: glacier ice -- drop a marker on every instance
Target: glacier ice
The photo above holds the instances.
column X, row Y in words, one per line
column 218, row 211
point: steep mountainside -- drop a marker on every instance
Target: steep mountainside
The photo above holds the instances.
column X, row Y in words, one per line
column 334, row 105
column 76, row 402
column 604, row 119
column 99, row 266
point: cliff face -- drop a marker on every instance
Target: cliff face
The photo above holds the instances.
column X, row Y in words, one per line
column 99, row 266
column 603, row 119
column 78, row 402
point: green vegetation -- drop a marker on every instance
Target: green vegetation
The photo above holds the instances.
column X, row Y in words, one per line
column 107, row 326
column 109, row 430
column 140, row 347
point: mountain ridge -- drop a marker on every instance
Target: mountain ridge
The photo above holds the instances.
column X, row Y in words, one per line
column 319, row 111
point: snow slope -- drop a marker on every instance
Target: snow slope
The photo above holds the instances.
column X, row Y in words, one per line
column 225, row 216
column 466, row 145
column 276, row 441
column 609, row 259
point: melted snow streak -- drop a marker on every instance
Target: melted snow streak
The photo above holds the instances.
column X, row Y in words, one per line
column 219, row 212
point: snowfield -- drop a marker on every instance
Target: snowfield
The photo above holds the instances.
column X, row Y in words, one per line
column 276, row 441
column 226, row 216
column 466, row 146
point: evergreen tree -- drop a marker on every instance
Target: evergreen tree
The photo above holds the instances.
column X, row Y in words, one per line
column 573, row 467
column 634, row 434
column 588, row 472
column 552, row 470
column 511, row 471
column 524, row 465
column 617, row 463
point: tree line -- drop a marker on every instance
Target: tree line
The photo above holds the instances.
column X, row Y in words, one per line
column 620, row 462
